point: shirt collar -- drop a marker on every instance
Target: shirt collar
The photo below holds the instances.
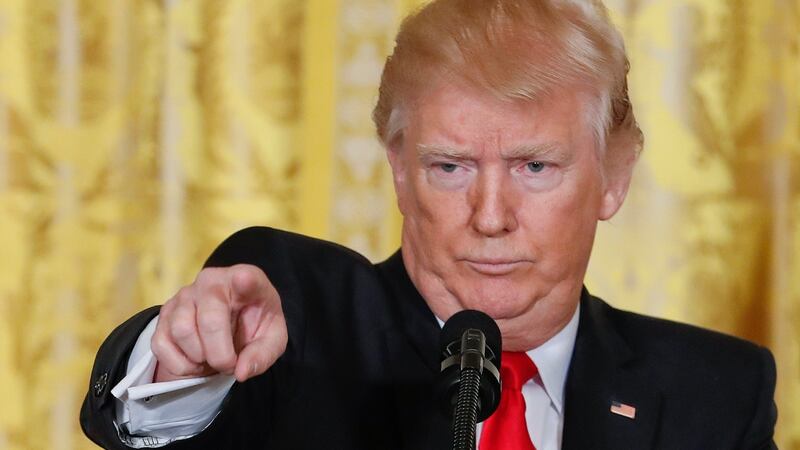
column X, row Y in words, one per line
column 552, row 359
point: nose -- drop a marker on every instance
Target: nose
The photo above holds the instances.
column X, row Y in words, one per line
column 493, row 212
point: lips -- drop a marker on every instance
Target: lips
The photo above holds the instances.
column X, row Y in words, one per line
column 494, row 267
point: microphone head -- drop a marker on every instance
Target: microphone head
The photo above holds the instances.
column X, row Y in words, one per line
column 450, row 376
column 461, row 321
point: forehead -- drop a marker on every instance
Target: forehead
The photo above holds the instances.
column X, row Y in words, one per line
column 456, row 117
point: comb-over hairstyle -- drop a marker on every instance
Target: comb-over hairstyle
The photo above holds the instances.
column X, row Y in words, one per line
column 515, row 50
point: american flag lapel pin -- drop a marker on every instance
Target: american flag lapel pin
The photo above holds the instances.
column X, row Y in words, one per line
column 624, row 410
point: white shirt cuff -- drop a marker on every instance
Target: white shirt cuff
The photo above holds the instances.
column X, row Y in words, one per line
column 155, row 414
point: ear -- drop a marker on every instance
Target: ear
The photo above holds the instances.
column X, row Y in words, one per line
column 618, row 172
column 397, row 161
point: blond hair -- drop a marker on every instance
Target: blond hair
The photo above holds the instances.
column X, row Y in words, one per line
column 515, row 49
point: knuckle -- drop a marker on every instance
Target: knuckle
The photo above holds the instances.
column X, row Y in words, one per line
column 280, row 336
column 212, row 322
column 222, row 363
column 283, row 342
column 182, row 328
column 182, row 368
column 162, row 350
column 248, row 276
column 166, row 309
column 247, row 271
column 207, row 276
column 183, row 294
column 158, row 345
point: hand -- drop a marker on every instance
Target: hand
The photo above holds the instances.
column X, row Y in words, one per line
column 228, row 321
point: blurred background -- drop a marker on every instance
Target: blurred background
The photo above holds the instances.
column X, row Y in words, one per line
column 136, row 134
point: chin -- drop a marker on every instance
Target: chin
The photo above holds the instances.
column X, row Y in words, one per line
column 497, row 302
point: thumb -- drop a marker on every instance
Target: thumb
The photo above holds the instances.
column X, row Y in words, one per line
column 258, row 356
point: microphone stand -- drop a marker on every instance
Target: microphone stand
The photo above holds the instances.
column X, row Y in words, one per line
column 473, row 345
column 469, row 382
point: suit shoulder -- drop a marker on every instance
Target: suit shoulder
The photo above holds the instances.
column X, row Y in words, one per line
column 653, row 334
column 723, row 382
column 255, row 244
column 696, row 354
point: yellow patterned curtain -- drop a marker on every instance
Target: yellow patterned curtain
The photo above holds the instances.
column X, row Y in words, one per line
column 710, row 232
column 136, row 134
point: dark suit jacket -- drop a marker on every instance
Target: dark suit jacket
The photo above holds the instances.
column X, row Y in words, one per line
column 363, row 353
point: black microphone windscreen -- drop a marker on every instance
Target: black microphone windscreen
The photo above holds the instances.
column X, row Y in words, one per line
column 469, row 318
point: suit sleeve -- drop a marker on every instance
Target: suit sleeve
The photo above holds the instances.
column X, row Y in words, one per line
column 759, row 435
column 98, row 410
column 281, row 255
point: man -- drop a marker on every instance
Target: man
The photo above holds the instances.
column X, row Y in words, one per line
column 509, row 133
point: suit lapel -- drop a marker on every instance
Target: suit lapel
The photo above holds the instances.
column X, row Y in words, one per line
column 415, row 320
column 413, row 359
column 604, row 370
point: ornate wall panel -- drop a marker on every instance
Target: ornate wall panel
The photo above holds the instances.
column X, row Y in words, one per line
column 362, row 192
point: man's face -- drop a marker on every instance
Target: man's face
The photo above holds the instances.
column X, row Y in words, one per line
column 500, row 203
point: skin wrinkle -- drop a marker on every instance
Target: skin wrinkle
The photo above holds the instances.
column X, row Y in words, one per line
column 498, row 238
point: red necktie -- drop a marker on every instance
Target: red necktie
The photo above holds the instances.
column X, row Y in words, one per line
column 506, row 429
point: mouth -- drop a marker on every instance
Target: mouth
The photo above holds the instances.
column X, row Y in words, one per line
column 494, row 267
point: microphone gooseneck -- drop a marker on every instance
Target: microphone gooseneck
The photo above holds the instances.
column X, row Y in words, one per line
column 465, row 417
column 469, row 382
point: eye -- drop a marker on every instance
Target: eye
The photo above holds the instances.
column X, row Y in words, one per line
column 535, row 166
column 448, row 167
column 450, row 175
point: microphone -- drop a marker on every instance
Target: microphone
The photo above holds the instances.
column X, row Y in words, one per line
column 469, row 381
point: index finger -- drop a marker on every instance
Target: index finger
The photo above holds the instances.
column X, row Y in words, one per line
column 250, row 284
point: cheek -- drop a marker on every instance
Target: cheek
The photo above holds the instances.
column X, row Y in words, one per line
column 436, row 221
column 435, row 209
column 562, row 222
column 582, row 194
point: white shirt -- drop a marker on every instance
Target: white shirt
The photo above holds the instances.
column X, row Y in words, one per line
column 174, row 410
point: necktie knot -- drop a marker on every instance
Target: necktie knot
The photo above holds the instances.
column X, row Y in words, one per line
column 516, row 368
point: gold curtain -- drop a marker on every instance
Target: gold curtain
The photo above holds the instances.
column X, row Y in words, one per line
column 710, row 232
column 136, row 134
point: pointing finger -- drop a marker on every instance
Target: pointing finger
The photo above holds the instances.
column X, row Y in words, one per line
column 248, row 284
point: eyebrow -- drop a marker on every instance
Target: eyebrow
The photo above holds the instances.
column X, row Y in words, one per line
column 426, row 151
column 530, row 152
column 523, row 152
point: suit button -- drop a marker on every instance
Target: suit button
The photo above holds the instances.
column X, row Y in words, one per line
column 99, row 386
